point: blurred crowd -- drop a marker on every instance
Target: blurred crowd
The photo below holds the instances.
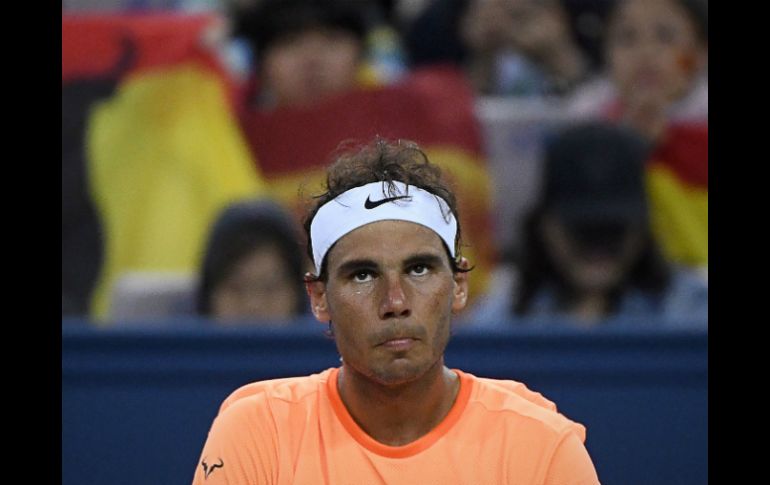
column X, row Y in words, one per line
column 192, row 132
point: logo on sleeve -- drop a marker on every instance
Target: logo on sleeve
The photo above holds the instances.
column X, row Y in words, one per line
column 371, row 205
column 208, row 469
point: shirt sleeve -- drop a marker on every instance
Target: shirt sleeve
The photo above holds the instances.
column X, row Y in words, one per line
column 241, row 448
column 571, row 464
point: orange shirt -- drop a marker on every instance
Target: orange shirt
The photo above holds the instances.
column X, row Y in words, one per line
column 298, row 431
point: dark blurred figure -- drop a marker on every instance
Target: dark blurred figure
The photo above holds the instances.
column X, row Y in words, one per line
column 253, row 266
column 657, row 83
column 588, row 250
column 305, row 51
column 508, row 47
column 81, row 232
column 81, row 227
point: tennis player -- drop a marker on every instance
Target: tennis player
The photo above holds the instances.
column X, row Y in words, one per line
column 385, row 240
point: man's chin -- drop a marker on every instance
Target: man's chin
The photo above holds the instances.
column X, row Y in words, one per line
column 400, row 372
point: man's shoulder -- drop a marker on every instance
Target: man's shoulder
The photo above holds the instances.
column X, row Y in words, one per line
column 288, row 389
column 514, row 401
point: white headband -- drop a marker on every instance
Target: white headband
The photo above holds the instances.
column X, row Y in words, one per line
column 373, row 202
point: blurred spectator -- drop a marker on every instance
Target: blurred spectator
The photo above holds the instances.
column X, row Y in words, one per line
column 657, row 53
column 305, row 51
column 588, row 251
column 509, row 47
column 253, row 266
column 657, row 62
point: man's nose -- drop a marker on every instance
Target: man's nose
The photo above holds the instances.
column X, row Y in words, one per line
column 395, row 303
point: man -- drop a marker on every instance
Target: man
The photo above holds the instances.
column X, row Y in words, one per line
column 305, row 50
column 389, row 274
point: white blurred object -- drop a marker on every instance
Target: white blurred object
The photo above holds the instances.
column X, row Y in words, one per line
column 513, row 130
column 151, row 295
column 703, row 272
column 593, row 99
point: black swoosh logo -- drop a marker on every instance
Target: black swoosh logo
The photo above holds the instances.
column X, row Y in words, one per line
column 371, row 205
column 207, row 471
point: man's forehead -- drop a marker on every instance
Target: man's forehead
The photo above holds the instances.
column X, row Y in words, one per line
column 386, row 241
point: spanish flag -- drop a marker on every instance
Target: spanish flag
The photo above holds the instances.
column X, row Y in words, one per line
column 433, row 107
column 677, row 181
column 163, row 152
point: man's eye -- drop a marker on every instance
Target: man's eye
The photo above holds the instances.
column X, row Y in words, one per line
column 419, row 270
column 362, row 276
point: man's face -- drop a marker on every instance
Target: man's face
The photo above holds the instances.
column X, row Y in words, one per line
column 307, row 67
column 593, row 257
column 390, row 293
column 653, row 50
column 259, row 287
column 533, row 27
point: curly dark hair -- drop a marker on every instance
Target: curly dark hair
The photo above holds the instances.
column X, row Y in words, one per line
column 387, row 161
column 271, row 21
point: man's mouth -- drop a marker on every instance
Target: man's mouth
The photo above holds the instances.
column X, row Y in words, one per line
column 399, row 344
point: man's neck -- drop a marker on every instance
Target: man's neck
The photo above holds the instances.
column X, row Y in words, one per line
column 398, row 415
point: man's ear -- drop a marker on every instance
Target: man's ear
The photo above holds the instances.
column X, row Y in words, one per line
column 460, row 290
column 316, row 290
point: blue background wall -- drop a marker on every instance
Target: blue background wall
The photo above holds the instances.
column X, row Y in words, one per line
column 137, row 402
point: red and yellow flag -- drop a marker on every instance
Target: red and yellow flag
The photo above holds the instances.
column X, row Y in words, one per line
column 163, row 151
column 677, row 181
